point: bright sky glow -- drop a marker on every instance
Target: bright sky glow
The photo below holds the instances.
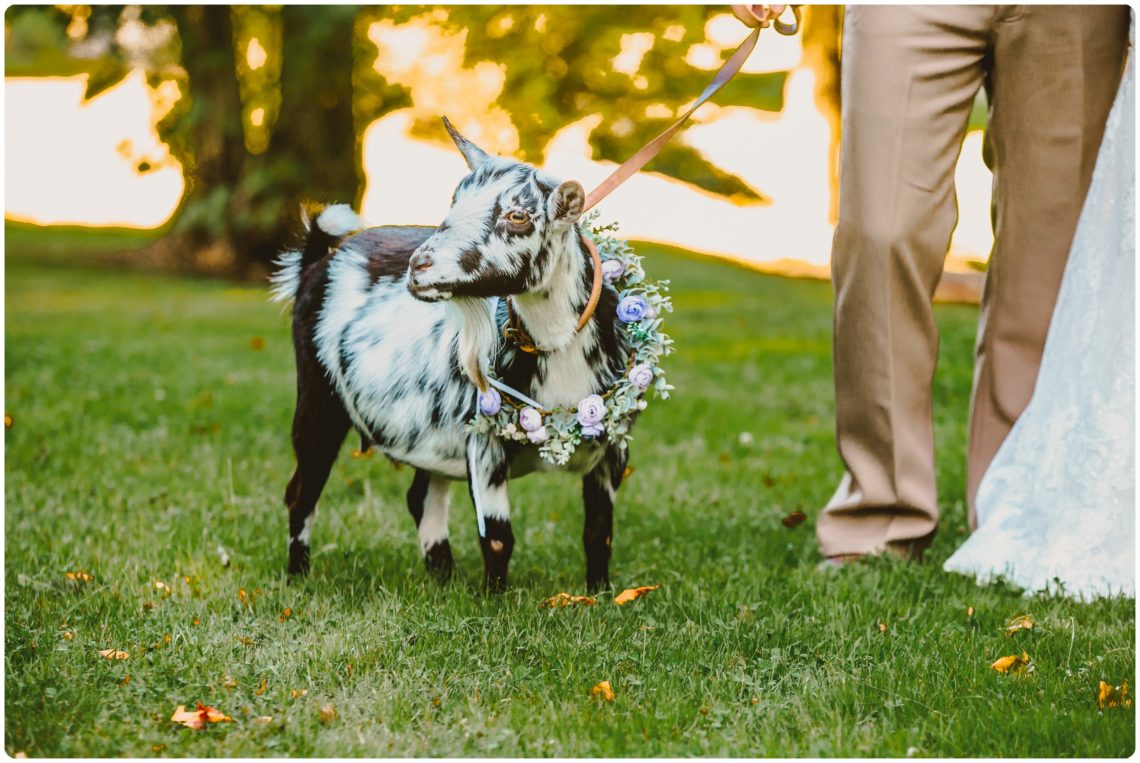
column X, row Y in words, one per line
column 74, row 163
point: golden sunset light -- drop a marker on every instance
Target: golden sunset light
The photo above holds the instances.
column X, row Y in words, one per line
column 96, row 148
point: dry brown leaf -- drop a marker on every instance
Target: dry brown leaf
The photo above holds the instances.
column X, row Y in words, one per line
column 1013, row 663
column 197, row 719
column 245, row 640
column 630, row 594
column 563, row 599
column 1019, row 623
column 1113, row 696
column 795, row 519
column 126, row 680
column 114, row 654
column 286, row 614
column 882, row 627
column 262, row 686
column 604, row 690
column 327, row 714
column 68, row 636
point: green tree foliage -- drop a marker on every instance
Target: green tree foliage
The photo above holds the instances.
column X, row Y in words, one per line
column 259, row 128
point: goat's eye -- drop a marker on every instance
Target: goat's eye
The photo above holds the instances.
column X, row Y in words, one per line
column 518, row 217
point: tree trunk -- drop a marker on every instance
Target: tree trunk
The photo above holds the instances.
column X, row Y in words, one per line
column 241, row 210
column 314, row 152
column 212, row 150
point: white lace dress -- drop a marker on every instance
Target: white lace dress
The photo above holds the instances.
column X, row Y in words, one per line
column 1057, row 507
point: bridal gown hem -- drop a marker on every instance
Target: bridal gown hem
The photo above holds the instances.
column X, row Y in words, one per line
column 1056, row 508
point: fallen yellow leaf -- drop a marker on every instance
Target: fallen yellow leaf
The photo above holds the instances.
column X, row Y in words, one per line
column 630, row 594
column 563, row 599
column 298, row 693
column 126, row 680
column 7, row 425
column 882, row 627
column 628, row 471
column 1012, row 663
column 1019, row 623
column 261, row 687
column 604, row 690
column 264, row 719
column 113, row 654
column 158, row 747
column 327, row 714
column 1113, row 696
column 969, row 611
column 68, row 635
column 80, row 576
column 196, row 719
column 229, row 682
column 286, row 614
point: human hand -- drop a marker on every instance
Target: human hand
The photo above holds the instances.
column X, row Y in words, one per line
column 757, row 15
column 764, row 15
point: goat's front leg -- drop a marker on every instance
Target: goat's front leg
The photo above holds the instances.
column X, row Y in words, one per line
column 599, row 487
column 487, row 469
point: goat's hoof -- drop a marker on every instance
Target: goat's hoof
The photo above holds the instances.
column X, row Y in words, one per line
column 298, row 562
column 596, row 586
column 438, row 561
column 494, row 585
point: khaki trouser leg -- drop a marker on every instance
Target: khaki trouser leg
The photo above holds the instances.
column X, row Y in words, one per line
column 1055, row 74
column 910, row 74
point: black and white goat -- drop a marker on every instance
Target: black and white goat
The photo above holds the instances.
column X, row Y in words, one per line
column 393, row 328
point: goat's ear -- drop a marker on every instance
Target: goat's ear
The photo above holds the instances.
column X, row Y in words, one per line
column 474, row 155
column 566, row 203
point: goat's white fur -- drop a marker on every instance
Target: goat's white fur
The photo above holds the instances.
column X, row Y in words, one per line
column 474, row 319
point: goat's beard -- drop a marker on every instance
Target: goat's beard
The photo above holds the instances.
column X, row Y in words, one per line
column 477, row 336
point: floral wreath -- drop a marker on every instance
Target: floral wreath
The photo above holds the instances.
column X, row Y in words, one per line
column 559, row 431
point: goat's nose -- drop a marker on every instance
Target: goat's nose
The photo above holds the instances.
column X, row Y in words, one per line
column 421, row 261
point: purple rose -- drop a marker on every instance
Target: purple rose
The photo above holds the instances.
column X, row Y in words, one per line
column 632, row 309
column 641, row 375
column 538, row 435
column 530, row 419
column 612, row 270
column 592, row 431
column 591, row 411
column 490, row 402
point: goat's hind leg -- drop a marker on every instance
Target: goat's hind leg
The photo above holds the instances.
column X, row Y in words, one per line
column 428, row 502
column 599, row 489
column 319, row 426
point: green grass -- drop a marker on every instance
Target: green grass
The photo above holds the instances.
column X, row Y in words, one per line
column 147, row 431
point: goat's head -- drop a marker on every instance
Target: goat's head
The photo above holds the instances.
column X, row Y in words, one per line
column 507, row 224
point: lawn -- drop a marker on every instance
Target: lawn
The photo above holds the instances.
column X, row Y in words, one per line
column 149, row 437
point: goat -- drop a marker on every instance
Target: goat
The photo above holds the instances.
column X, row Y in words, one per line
column 394, row 327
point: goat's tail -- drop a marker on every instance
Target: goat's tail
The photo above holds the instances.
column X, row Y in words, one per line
column 325, row 226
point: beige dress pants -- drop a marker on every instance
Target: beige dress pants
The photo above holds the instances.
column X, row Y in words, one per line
column 910, row 74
